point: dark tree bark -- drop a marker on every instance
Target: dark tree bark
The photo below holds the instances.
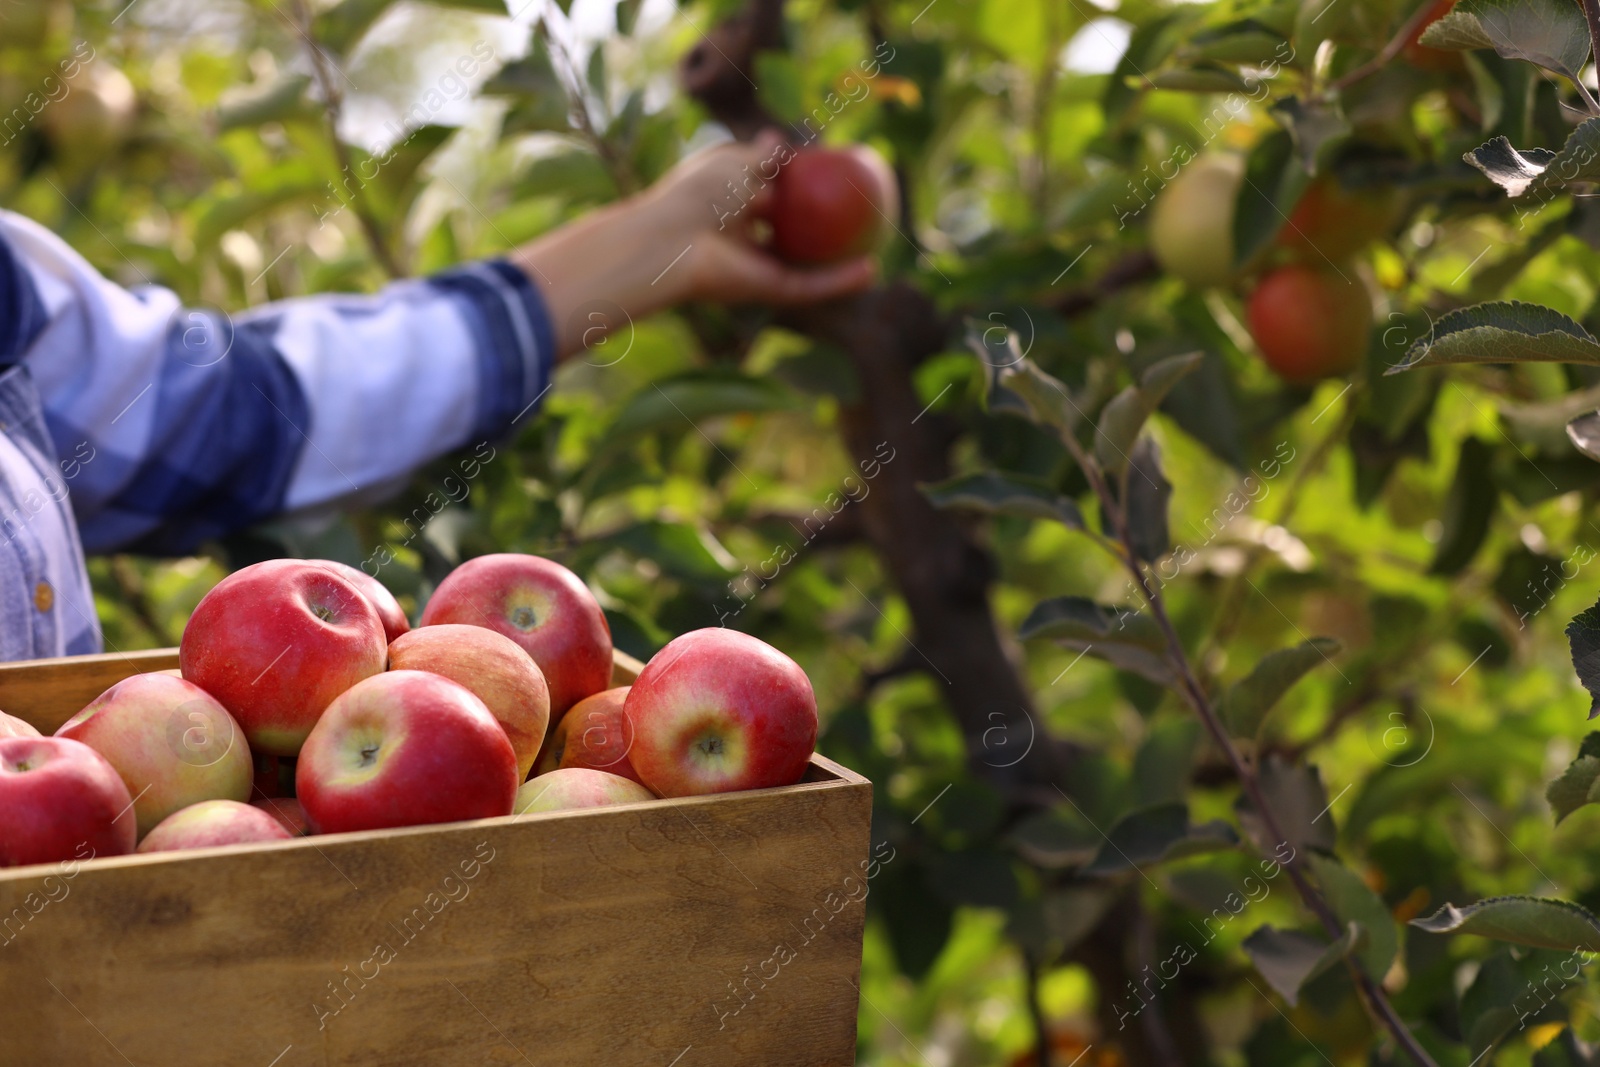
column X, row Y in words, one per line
column 943, row 574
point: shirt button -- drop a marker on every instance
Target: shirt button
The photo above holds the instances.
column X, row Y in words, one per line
column 43, row 596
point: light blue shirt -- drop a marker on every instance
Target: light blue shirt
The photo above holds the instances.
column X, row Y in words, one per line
column 129, row 423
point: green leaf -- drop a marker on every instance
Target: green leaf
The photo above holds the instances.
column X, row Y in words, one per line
column 1578, row 785
column 1584, row 433
column 1156, row 834
column 1247, row 702
column 1126, row 413
column 679, row 549
column 1457, row 31
column 1583, row 636
column 1056, row 838
column 1468, row 509
column 1148, row 497
column 682, row 401
column 1123, row 638
column 1047, row 400
column 1318, row 128
column 781, row 87
column 1165, row 761
column 342, row 25
column 281, row 100
column 1274, row 180
column 1208, row 78
column 1536, row 921
column 628, row 16
column 1519, row 171
column 1300, row 808
column 1288, row 959
column 1503, row 332
column 995, row 493
column 1354, row 902
column 1246, row 41
column 1549, row 33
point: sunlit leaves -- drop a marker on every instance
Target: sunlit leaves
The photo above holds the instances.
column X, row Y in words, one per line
column 1534, row 921
column 1506, row 332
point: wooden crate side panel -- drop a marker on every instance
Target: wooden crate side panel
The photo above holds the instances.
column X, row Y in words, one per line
column 48, row 692
column 730, row 924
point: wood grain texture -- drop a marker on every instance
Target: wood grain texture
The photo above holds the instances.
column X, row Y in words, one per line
column 48, row 692
column 718, row 931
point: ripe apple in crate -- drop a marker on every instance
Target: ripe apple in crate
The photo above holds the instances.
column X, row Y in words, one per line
column 213, row 822
column 494, row 668
column 170, row 741
column 594, row 734
column 60, row 800
column 577, row 787
column 403, row 749
column 11, row 726
column 276, row 642
column 717, row 710
column 541, row 606
column 390, row 613
column 287, row 810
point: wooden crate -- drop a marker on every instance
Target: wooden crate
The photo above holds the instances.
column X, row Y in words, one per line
column 721, row 930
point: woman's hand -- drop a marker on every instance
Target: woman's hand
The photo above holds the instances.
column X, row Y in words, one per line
column 688, row 237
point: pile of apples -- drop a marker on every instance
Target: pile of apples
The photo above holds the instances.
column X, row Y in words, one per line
column 305, row 704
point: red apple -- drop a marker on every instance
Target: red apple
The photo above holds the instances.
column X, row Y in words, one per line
column 287, row 810
column 577, row 787
column 403, row 749
column 541, row 606
column 276, row 642
column 594, row 734
column 717, row 710
column 1310, row 323
column 213, row 822
column 388, row 608
column 170, row 741
column 11, row 726
column 60, row 800
column 826, row 205
column 494, row 668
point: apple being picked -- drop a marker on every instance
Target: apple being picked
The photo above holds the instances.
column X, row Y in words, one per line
column 60, row 800
column 276, row 642
column 593, row 734
column 403, row 749
column 717, row 710
column 577, row 787
column 390, row 613
column 541, row 606
column 170, row 741
column 494, row 668
column 831, row 204
column 213, row 822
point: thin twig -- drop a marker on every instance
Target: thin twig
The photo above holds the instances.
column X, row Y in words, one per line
column 333, row 106
column 1195, row 694
column 1395, row 46
column 1591, row 11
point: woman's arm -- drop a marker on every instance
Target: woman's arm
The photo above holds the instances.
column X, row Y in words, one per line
column 200, row 423
column 686, row 238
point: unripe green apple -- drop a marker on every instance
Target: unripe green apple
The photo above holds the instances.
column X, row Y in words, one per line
column 94, row 119
column 1191, row 225
column 1310, row 323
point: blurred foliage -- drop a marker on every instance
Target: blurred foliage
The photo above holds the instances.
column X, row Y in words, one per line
column 1437, row 524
